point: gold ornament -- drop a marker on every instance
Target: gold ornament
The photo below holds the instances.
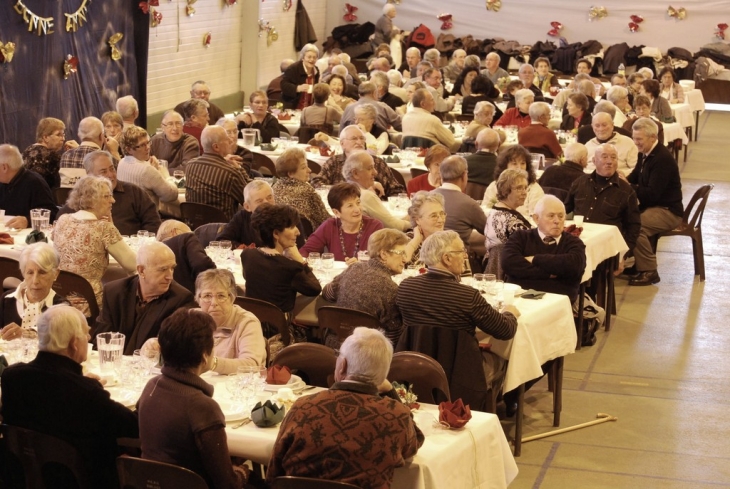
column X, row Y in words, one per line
column 116, row 53
column 494, row 5
column 189, row 10
column 70, row 66
column 597, row 13
column 42, row 25
column 271, row 36
column 76, row 19
column 7, row 51
column 679, row 14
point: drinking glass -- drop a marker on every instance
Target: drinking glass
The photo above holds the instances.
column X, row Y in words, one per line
column 315, row 261
column 226, row 249
column 498, row 288
column 489, row 280
column 328, row 261
column 150, row 358
column 478, row 282
column 578, row 221
column 39, row 218
column 363, row 256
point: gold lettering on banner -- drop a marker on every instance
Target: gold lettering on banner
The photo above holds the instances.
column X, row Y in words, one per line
column 76, row 19
column 42, row 25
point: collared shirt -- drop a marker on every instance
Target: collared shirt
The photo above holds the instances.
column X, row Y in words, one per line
column 22, row 304
column 74, row 158
column 450, row 186
column 543, row 236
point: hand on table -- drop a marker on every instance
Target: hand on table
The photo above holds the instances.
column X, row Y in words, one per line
column 18, row 222
column 350, row 261
column 512, row 310
column 11, row 332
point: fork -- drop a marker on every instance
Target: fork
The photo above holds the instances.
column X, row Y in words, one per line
column 244, row 422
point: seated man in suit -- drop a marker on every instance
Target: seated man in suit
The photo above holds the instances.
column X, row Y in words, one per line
column 190, row 256
column 546, row 258
column 136, row 306
column 51, row 395
column 562, row 175
column 481, row 165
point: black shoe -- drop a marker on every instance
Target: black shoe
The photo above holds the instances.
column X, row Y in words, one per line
column 510, row 409
column 629, row 272
column 649, row 277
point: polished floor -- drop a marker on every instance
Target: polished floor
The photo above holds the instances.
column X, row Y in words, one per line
column 662, row 369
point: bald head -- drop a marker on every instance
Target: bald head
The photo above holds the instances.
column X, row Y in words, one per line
column 215, row 140
column 602, row 124
column 577, row 153
column 487, row 140
column 91, row 129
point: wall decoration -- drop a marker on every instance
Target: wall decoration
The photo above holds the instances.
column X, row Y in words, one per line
column 116, row 52
column 494, row 5
column 263, row 26
column 286, row 5
column 555, row 31
column 446, row 20
column 189, row 10
column 635, row 21
column 350, row 13
column 207, row 38
column 720, row 32
column 7, row 51
column 145, row 6
column 76, row 19
column 597, row 13
column 156, row 17
column 70, row 66
column 271, row 36
column 230, row 3
column 42, row 25
column 679, row 14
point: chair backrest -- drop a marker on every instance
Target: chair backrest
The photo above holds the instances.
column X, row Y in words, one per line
column 693, row 220
column 290, row 482
column 416, row 142
column 416, row 172
column 560, row 193
column 423, row 373
column 263, row 164
column 398, row 176
column 40, row 454
column 343, row 321
column 308, row 132
column 69, row 284
column 315, row 167
column 60, row 195
column 306, row 226
column 136, row 473
column 9, row 268
column 195, row 214
column 475, row 190
column 314, row 363
column 208, row 232
column 468, row 145
column 268, row 314
column 494, row 262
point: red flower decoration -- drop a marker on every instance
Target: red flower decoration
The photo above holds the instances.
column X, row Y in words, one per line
column 554, row 33
column 350, row 13
column 638, row 19
column 156, row 18
column 446, row 21
column 154, row 3
column 721, row 28
column 633, row 27
column 144, row 7
column 232, row 2
column 556, row 25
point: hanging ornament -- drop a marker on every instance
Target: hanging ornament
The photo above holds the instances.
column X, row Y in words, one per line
column 42, row 25
column 7, row 51
column 679, row 14
column 635, row 21
column 144, row 7
column 555, row 31
column 189, row 10
column 70, row 66
column 230, row 3
column 116, row 52
column 263, row 26
column 271, row 36
column 156, row 17
column 207, row 38
column 286, row 5
column 720, row 32
column 597, row 13
column 76, row 19
column 446, row 21
column 350, row 13
column 494, row 5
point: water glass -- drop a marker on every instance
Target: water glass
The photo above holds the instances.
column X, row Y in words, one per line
column 498, row 289
column 110, row 347
column 163, row 163
column 39, row 218
column 315, row 261
column 328, row 261
column 578, row 221
column 478, row 281
column 226, row 249
column 363, row 256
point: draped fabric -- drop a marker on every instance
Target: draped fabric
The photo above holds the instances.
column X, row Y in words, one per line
column 32, row 85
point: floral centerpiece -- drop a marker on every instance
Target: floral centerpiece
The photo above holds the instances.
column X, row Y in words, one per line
column 406, row 395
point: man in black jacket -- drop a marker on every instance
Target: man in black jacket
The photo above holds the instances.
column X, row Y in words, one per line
column 190, row 256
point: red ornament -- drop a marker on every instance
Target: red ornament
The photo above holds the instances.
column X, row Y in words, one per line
column 556, row 28
column 721, row 28
column 232, row 2
column 207, row 38
column 556, row 25
column 156, row 18
column 633, row 27
column 144, row 7
column 638, row 19
column 446, row 21
column 350, row 13
column 154, row 3
column 554, row 33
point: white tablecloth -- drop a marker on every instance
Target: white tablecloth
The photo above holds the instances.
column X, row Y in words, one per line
column 674, row 131
column 695, row 100
column 683, row 114
column 602, row 242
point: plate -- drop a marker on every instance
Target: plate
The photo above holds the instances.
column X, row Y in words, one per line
column 233, row 411
column 124, row 397
column 514, row 288
column 295, row 382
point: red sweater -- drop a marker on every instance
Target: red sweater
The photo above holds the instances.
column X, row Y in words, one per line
column 513, row 117
column 419, row 183
column 540, row 138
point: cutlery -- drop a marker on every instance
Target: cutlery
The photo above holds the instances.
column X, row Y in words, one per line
column 244, row 422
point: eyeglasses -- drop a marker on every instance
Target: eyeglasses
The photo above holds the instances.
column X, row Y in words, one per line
column 359, row 138
column 201, row 92
column 400, row 253
column 459, row 252
column 173, row 124
column 436, row 216
column 208, row 298
column 142, row 145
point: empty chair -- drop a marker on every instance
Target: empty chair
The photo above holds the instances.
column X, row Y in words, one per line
column 208, row 232
column 10, row 273
column 290, row 482
column 195, row 214
column 60, row 195
column 416, row 142
column 423, row 373
column 69, row 284
column 314, row 363
column 314, row 167
column 398, row 176
column 415, row 172
column 136, row 473
column 270, row 316
column 343, row 321
column 263, row 164
column 475, row 190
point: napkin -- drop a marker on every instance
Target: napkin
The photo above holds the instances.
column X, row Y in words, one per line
column 278, row 375
column 35, row 237
column 572, row 229
column 5, row 238
column 325, row 151
column 267, row 414
column 392, row 159
column 284, row 117
column 532, row 294
column 454, row 414
column 181, row 183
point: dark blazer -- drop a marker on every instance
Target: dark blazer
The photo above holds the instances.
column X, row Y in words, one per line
column 481, row 167
column 655, row 179
column 119, row 312
column 561, row 176
column 9, row 311
column 294, row 76
column 27, row 190
column 190, row 257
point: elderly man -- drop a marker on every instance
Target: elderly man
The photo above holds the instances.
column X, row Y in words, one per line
column 602, row 125
column 353, row 139
column 173, row 145
column 137, row 305
column 133, row 209
column 384, row 28
column 231, row 128
column 621, row 98
column 273, row 91
column 536, row 137
column 481, row 165
column 129, row 110
column 91, row 134
column 655, row 179
column 492, row 70
column 190, row 256
column 463, row 214
column 420, row 122
column 360, row 170
column 51, row 395
column 363, row 431
column 199, row 90
column 563, row 175
column 546, row 258
column 526, row 75
column 586, row 133
column 456, row 66
column 420, row 70
column 216, row 178
column 239, row 230
column 432, row 78
column 396, row 85
column 386, row 117
column 408, row 68
column 21, row 190
column 195, row 112
column 382, row 86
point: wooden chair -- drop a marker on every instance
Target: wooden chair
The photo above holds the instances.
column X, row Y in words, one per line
column 195, row 214
column 314, row 363
column 10, row 273
column 290, row 482
column 398, row 176
column 268, row 314
column 314, row 167
column 60, row 195
column 415, row 172
column 208, row 232
column 468, row 145
column 423, row 373
column 557, row 192
column 692, row 226
column 343, row 321
column 69, row 284
column 475, row 190
column 45, row 458
column 416, row 142
column 308, row 132
column 263, row 164
column 135, row 473
column 306, row 227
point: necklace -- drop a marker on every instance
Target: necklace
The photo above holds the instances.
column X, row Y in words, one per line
column 357, row 241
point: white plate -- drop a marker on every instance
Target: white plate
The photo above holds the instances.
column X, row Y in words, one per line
column 124, row 397
column 295, row 382
column 233, row 411
column 514, row 288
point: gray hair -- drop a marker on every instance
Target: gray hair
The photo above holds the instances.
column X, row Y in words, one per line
column 192, row 106
column 351, row 128
column 434, row 246
column 366, row 88
column 306, row 49
column 368, row 354
column 172, row 112
column 388, row 7
column 413, row 50
column 344, row 57
column 603, row 147
column 151, row 252
column 494, row 55
column 340, row 70
column 58, row 326
column 198, row 82
column 87, row 193
column 355, row 162
column 472, row 61
column 385, row 240
column 90, row 159
column 616, row 93
column 605, row 107
column 540, row 206
column 525, row 67
column 432, row 56
column 452, row 168
column 212, row 135
column 648, row 126
column 419, row 199
column 522, row 94
column 488, row 139
column 453, row 55
column 90, row 128
column 42, row 254
column 647, row 73
column 127, row 106
column 380, row 79
column 225, row 120
column 366, row 110
column 395, row 78
column 575, row 152
column 506, row 181
column 581, row 77
column 10, row 155
column 216, row 276
column 484, row 106
column 587, row 88
column 253, row 186
column 169, row 226
column 539, row 109
column 334, row 60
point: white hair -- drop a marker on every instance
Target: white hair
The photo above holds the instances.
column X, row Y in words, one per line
column 605, row 107
column 10, row 155
column 388, row 7
column 648, row 126
column 42, row 254
column 368, row 354
column 575, row 152
column 58, row 326
column 522, row 94
column 149, row 253
column 395, row 78
column 539, row 109
column 540, row 206
column 253, row 186
column 127, row 106
column 355, row 162
column 90, row 159
column 306, row 49
column 212, row 135
column 90, row 128
column 434, row 246
column 616, row 93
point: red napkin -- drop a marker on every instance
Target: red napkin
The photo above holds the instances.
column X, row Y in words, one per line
column 325, row 151
column 284, row 117
column 454, row 414
column 278, row 375
column 5, row 238
column 572, row 229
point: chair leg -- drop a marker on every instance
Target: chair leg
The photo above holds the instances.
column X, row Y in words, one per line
column 579, row 320
column 557, row 373
column 610, row 305
column 518, row 420
column 697, row 123
column 698, row 250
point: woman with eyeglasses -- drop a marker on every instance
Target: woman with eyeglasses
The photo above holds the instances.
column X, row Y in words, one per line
column 427, row 216
column 44, row 156
column 368, row 286
column 143, row 170
column 260, row 118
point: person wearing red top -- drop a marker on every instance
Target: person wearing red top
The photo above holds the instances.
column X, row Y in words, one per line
column 519, row 115
column 536, row 137
column 429, row 181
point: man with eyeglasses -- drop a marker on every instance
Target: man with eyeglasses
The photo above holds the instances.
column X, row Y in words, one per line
column 200, row 90
column 136, row 306
column 173, row 144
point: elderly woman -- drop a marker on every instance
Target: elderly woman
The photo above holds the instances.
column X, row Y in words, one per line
column 21, row 308
column 260, row 119
column 432, row 179
column 519, row 114
column 659, row 105
column 142, row 169
column 337, row 99
column 376, row 138
column 455, row 67
column 85, row 238
column 238, row 340
column 410, row 90
column 482, row 89
column 427, row 216
column 517, row 158
column 578, row 114
column 44, row 156
column 346, row 233
column 320, row 114
column 543, row 78
column 179, row 422
column 293, row 188
column 113, row 124
column 384, row 29
column 276, row 272
column 642, row 108
column 299, row 79
column 668, row 86
column 368, row 286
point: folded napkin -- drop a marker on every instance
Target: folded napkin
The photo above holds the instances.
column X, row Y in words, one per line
column 181, row 183
column 267, row 414
column 532, row 294
column 325, row 151
column 454, row 414
column 5, row 238
column 35, row 237
column 278, row 375
column 573, row 229
column 392, row 159
column 284, row 117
